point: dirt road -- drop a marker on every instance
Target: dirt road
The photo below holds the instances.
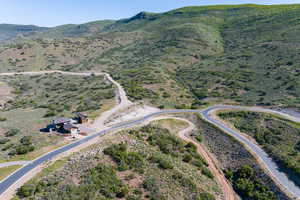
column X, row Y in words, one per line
column 228, row 191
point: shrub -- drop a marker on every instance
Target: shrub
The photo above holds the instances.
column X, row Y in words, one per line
column 23, row 149
column 2, row 119
column 125, row 160
column 187, row 158
column 161, row 106
column 205, row 196
column 167, row 143
column 207, row 173
column 184, row 181
column 149, row 184
column 6, row 147
column 198, row 163
column 11, row 132
column 50, row 113
column 244, row 186
column 191, row 147
column 4, row 140
column 26, row 190
column 228, row 174
column 199, row 138
column 26, row 140
column 247, row 185
column 105, row 180
column 164, row 164
column 297, row 146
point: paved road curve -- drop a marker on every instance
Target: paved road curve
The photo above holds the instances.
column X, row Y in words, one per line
column 280, row 177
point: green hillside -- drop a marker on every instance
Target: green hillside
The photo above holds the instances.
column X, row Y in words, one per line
column 244, row 54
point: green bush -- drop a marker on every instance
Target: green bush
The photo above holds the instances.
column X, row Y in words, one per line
column 125, row 160
column 184, row 181
column 50, row 113
column 164, row 164
column 26, row 140
column 12, row 132
column 99, row 181
column 247, row 185
column 166, row 142
column 228, row 174
column 187, row 158
column 4, row 140
column 199, row 138
column 26, row 191
column 151, row 185
column 205, row 196
column 198, row 163
column 6, row 147
column 297, row 146
column 207, row 173
column 2, row 119
column 23, row 149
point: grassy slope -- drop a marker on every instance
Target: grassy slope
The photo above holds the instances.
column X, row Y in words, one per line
column 260, row 58
column 279, row 137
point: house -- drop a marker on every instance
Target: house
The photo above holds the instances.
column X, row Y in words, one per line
column 60, row 122
column 70, row 128
column 65, row 126
column 81, row 118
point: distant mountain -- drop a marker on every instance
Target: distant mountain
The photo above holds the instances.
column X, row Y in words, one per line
column 75, row 30
column 10, row 31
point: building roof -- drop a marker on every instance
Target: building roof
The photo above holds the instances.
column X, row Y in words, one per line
column 69, row 126
column 81, row 115
column 61, row 120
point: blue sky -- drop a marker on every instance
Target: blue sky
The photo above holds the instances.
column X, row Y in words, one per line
column 57, row 12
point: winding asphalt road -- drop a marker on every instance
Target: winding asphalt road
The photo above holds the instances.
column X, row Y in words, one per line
column 270, row 165
column 279, row 177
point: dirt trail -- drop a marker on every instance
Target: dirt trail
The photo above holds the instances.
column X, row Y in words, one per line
column 228, row 191
column 123, row 103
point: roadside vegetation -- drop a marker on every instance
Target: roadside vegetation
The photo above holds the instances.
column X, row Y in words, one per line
column 247, row 185
column 6, row 171
column 279, row 137
column 134, row 164
column 236, row 161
